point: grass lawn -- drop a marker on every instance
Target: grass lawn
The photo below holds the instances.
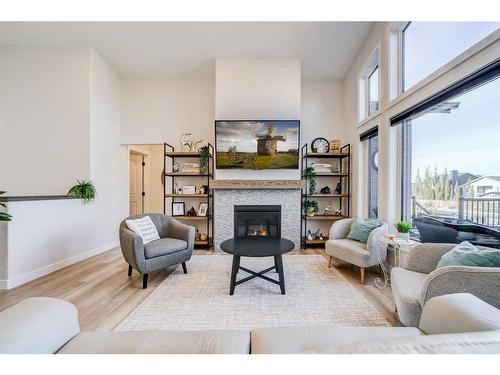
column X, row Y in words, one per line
column 252, row 161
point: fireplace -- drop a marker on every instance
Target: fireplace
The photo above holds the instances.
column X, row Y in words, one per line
column 257, row 220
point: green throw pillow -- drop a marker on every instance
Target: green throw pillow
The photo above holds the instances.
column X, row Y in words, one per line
column 466, row 254
column 361, row 229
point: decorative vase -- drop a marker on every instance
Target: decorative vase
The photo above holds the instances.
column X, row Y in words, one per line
column 310, row 211
column 404, row 236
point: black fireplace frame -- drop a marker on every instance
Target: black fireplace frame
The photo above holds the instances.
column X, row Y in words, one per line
column 265, row 208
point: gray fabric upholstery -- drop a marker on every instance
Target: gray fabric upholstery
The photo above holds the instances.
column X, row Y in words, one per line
column 424, row 257
column 458, row 313
column 483, row 282
column 164, row 246
column 326, row 339
column 160, row 342
column 38, row 325
column 354, row 252
column 175, row 245
column 406, row 288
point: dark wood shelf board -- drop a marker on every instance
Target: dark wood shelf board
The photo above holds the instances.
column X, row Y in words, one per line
column 332, row 174
column 188, row 196
column 36, row 198
column 177, row 154
column 337, row 155
column 323, row 217
column 199, row 218
column 187, row 174
column 203, row 243
column 327, row 196
column 315, row 241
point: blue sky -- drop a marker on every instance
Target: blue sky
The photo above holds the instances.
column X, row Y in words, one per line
column 468, row 139
column 242, row 134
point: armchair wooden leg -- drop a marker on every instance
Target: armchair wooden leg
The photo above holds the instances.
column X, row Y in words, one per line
column 129, row 270
column 330, row 261
column 144, row 281
column 362, row 270
column 184, row 268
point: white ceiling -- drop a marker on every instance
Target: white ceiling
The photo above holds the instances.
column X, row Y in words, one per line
column 189, row 49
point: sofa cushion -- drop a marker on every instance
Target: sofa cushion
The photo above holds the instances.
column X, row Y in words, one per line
column 458, row 313
column 348, row 250
column 160, row 342
column 311, row 340
column 466, row 254
column 406, row 288
column 164, row 246
column 38, row 325
column 455, row 343
column 361, row 229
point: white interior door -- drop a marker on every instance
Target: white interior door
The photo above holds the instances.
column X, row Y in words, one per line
column 136, row 184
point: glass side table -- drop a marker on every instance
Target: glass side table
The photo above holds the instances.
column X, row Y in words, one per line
column 401, row 247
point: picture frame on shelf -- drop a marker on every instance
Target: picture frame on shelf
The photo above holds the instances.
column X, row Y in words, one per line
column 203, row 209
column 178, row 208
column 335, row 146
column 189, row 189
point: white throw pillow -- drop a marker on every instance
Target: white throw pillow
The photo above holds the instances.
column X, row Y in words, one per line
column 145, row 228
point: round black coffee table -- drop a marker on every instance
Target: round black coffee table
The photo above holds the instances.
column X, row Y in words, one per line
column 257, row 247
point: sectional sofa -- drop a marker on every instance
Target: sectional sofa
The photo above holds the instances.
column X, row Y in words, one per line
column 455, row 323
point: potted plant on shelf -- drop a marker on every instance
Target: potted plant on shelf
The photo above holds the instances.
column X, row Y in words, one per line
column 203, row 160
column 4, row 216
column 83, row 189
column 403, row 228
column 310, row 176
column 311, row 207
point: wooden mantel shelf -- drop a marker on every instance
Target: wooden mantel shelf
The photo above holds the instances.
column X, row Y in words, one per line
column 257, row 184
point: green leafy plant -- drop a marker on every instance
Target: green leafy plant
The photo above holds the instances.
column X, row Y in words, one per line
column 203, row 159
column 4, row 216
column 83, row 189
column 403, row 226
column 310, row 177
column 311, row 207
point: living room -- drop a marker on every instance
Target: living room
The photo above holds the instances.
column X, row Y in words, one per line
column 256, row 187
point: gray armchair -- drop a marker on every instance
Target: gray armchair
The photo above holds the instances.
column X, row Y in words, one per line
column 354, row 252
column 175, row 246
column 419, row 281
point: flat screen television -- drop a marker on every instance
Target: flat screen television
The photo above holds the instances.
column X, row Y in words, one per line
column 257, row 144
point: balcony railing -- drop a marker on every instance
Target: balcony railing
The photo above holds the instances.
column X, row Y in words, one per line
column 485, row 211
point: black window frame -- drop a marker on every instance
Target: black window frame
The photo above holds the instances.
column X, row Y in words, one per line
column 480, row 77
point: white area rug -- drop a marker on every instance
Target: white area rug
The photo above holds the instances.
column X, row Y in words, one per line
column 315, row 295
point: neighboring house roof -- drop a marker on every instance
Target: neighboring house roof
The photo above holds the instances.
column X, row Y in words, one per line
column 464, row 178
column 494, row 178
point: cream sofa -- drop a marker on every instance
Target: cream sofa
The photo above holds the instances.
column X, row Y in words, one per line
column 457, row 323
column 419, row 281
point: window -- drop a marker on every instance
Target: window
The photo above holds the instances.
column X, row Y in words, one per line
column 450, row 149
column 373, row 105
column 370, row 142
column 427, row 46
column 368, row 88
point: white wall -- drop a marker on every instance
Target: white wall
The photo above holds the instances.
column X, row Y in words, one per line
column 44, row 119
column 257, row 89
column 158, row 110
column 47, row 235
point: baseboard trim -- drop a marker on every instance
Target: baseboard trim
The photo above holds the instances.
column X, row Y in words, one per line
column 35, row 274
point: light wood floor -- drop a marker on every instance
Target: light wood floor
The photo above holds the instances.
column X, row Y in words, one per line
column 104, row 295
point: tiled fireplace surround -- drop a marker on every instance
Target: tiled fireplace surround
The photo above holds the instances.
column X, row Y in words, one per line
column 226, row 198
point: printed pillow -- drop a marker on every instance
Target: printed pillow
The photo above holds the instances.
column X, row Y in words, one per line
column 145, row 228
column 361, row 229
column 466, row 254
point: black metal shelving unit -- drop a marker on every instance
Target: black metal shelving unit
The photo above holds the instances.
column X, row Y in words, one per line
column 169, row 152
column 344, row 157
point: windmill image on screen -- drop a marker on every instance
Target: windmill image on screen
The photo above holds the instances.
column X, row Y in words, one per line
column 257, row 144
